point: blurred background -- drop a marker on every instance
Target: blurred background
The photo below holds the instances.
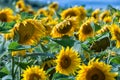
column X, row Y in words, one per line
column 66, row 3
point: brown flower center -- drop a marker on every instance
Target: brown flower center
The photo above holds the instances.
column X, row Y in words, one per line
column 70, row 14
column 25, row 32
column 34, row 77
column 63, row 27
column 117, row 34
column 86, row 28
column 3, row 17
column 65, row 61
column 95, row 74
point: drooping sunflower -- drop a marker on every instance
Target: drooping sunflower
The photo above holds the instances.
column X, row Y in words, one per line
column 42, row 11
column 54, row 6
column 104, row 14
column 96, row 71
column 71, row 12
column 34, row 73
column 29, row 31
column 115, row 32
column 20, row 5
column 95, row 14
column 48, row 23
column 107, row 19
column 66, row 27
column 6, row 15
column 85, row 31
column 103, row 29
column 67, row 61
column 82, row 13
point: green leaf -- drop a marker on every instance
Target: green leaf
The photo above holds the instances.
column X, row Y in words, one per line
column 116, row 60
column 65, row 41
column 4, row 70
column 15, row 46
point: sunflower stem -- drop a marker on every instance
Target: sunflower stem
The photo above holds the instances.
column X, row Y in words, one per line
column 19, row 69
column 13, row 75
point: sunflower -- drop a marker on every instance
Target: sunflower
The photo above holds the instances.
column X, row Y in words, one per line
column 66, row 27
column 19, row 52
column 82, row 13
column 115, row 32
column 42, row 11
column 104, row 14
column 29, row 31
column 6, row 15
column 20, row 5
column 49, row 23
column 85, row 31
column 107, row 19
column 96, row 71
column 53, row 5
column 34, row 73
column 71, row 12
column 95, row 14
column 68, row 61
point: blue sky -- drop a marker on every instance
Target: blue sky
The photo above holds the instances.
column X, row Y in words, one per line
column 88, row 3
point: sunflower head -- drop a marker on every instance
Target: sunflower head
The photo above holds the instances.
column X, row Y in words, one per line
column 104, row 14
column 95, row 14
column 29, row 31
column 20, row 5
column 115, row 32
column 6, row 15
column 107, row 19
column 96, row 71
column 42, row 11
column 66, row 27
column 67, row 61
column 82, row 13
column 85, row 31
column 54, row 6
column 70, row 12
column 34, row 73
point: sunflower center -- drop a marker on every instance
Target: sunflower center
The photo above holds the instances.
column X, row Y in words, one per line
column 34, row 77
column 117, row 34
column 3, row 17
column 64, row 28
column 70, row 14
column 65, row 62
column 25, row 32
column 87, row 29
column 95, row 74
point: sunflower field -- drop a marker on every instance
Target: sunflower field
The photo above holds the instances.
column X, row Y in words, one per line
column 55, row 43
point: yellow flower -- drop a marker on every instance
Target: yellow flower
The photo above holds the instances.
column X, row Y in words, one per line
column 6, row 15
column 107, row 19
column 20, row 5
column 95, row 14
column 96, row 71
column 29, row 31
column 104, row 29
column 53, row 5
column 82, row 13
column 34, row 73
column 85, row 31
column 19, row 53
column 104, row 14
column 71, row 12
column 115, row 32
column 68, row 61
column 66, row 27
column 42, row 11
